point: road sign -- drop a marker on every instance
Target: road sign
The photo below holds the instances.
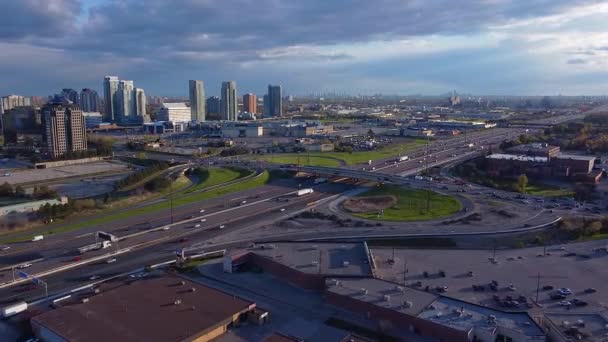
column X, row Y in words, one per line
column 37, row 281
column 23, row 274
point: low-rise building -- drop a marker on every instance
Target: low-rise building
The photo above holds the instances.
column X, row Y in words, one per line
column 241, row 130
column 174, row 111
column 163, row 308
column 92, row 119
column 535, row 149
column 161, row 127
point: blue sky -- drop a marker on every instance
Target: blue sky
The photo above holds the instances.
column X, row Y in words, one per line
column 535, row 47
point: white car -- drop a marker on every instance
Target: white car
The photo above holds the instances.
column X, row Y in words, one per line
column 111, row 260
column 222, row 226
column 203, row 220
column 94, row 277
column 166, row 228
column 25, row 265
column 565, row 303
column 282, row 209
column 565, row 291
column 202, row 211
column 4, row 248
column 197, row 225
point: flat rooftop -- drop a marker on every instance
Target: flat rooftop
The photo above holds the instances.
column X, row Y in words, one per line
column 464, row 316
column 332, row 259
column 575, row 157
column 165, row 308
column 517, row 157
column 383, row 293
column 591, row 326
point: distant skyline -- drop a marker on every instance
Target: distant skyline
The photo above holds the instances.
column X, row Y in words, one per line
column 486, row 47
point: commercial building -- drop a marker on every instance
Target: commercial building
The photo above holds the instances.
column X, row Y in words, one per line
column 30, row 207
column 558, row 165
column 197, row 100
column 160, row 308
column 241, row 130
column 273, row 101
column 213, row 105
column 455, row 124
column 536, row 149
column 161, row 127
column 92, row 119
column 174, row 111
column 21, row 123
column 71, row 95
column 64, row 129
column 139, row 100
column 250, row 103
column 110, row 92
column 89, row 100
column 126, row 107
column 228, row 102
column 299, row 130
column 12, row 101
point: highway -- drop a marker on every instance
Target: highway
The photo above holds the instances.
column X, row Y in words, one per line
column 140, row 244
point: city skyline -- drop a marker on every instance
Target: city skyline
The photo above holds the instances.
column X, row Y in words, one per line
column 510, row 48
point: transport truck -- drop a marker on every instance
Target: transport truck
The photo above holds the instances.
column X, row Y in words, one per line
column 38, row 238
column 403, row 158
column 302, row 192
column 94, row 247
column 14, row 309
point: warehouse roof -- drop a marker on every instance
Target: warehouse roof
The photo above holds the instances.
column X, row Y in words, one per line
column 165, row 308
column 518, row 157
column 575, row 157
column 332, row 259
column 382, row 293
column 465, row 316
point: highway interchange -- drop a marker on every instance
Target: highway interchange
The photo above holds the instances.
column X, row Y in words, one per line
column 151, row 237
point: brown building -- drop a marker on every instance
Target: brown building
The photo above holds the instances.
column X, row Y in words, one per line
column 164, row 308
column 64, row 128
column 250, row 103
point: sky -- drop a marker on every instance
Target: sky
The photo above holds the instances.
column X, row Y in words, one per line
column 484, row 47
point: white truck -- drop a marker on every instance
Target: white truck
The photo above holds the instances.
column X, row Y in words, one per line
column 14, row 309
column 94, row 247
column 471, row 145
column 302, row 192
column 320, row 180
column 403, row 158
column 38, row 238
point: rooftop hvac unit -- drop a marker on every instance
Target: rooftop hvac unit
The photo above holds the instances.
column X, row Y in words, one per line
column 96, row 291
column 439, row 314
column 345, row 263
column 177, row 302
column 182, row 282
column 407, row 304
column 387, row 298
column 363, row 291
column 398, row 288
column 192, row 289
column 492, row 318
column 85, row 300
column 333, row 282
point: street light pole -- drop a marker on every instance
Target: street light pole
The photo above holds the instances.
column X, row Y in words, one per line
column 171, row 198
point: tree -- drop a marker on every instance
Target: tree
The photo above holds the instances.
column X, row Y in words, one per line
column 6, row 190
column 522, row 183
column 19, row 191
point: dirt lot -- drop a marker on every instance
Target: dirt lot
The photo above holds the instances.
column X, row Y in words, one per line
column 369, row 204
column 520, row 268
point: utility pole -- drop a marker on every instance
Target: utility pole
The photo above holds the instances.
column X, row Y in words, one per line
column 171, row 198
column 537, row 286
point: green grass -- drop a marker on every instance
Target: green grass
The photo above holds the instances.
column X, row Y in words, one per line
column 216, row 176
column 325, row 158
column 548, row 191
column 291, row 158
column 412, row 204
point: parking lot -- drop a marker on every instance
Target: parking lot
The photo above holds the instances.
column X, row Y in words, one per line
column 515, row 274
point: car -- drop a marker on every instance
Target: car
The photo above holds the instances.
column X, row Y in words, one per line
column 590, row 290
column 511, row 287
column 202, row 211
column 565, row 303
column 571, row 254
column 222, row 226
column 24, row 265
column 197, row 225
column 548, row 287
column 282, row 209
column 578, row 302
column 94, row 277
column 166, row 228
column 111, row 260
column 565, row 291
column 556, row 296
column 77, row 258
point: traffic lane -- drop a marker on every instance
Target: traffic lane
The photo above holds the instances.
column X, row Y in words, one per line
column 145, row 256
column 145, row 220
column 211, row 221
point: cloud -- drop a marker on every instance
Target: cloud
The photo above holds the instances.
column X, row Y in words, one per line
column 576, row 61
column 38, row 18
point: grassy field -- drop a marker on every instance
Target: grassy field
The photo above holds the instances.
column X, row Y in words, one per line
column 412, row 204
column 216, row 176
column 325, row 158
column 316, row 159
column 548, row 191
column 183, row 200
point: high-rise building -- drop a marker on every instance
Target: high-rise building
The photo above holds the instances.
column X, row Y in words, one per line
column 213, row 105
column 126, row 106
column 275, row 101
column 197, row 101
column 20, row 123
column 12, row 101
column 250, row 103
column 266, row 112
column 64, row 129
column 89, row 100
column 174, row 112
column 110, row 96
column 71, row 95
column 139, row 100
column 228, row 105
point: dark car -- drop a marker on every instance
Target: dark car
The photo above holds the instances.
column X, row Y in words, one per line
column 548, row 287
column 557, row 296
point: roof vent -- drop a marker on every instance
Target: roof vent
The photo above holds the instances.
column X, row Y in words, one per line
column 333, row 282
column 182, row 282
column 364, row 291
column 85, row 300
column 398, row 288
column 407, row 304
column 96, row 291
column 387, row 298
column 177, row 302
column 192, row 289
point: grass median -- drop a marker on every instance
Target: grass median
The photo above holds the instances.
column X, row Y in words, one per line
column 393, row 203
